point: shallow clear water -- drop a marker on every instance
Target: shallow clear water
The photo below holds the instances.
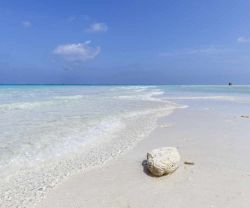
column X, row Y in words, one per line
column 50, row 132
column 210, row 89
column 38, row 122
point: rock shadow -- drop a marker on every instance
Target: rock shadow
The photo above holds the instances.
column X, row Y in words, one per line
column 145, row 169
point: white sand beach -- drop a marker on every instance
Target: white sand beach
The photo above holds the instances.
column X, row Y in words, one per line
column 213, row 136
column 124, row 104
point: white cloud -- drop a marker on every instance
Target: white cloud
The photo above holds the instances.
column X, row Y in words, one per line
column 77, row 51
column 26, row 24
column 243, row 40
column 98, row 27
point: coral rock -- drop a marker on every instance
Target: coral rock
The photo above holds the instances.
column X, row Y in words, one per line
column 163, row 160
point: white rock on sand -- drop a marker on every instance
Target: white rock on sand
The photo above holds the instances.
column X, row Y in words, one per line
column 163, row 161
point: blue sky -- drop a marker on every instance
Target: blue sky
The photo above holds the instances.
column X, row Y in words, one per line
column 125, row 42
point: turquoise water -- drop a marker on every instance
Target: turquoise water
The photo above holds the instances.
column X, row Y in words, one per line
column 51, row 131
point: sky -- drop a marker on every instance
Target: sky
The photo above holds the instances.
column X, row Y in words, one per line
column 124, row 42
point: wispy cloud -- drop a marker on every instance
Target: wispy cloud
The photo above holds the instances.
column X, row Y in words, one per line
column 243, row 39
column 97, row 27
column 26, row 24
column 77, row 51
column 211, row 50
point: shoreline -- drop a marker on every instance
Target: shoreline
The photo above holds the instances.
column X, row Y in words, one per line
column 217, row 144
column 28, row 187
column 89, row 142
column 104, row 152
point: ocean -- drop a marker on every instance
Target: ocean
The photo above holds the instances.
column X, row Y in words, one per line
column 49, row 132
